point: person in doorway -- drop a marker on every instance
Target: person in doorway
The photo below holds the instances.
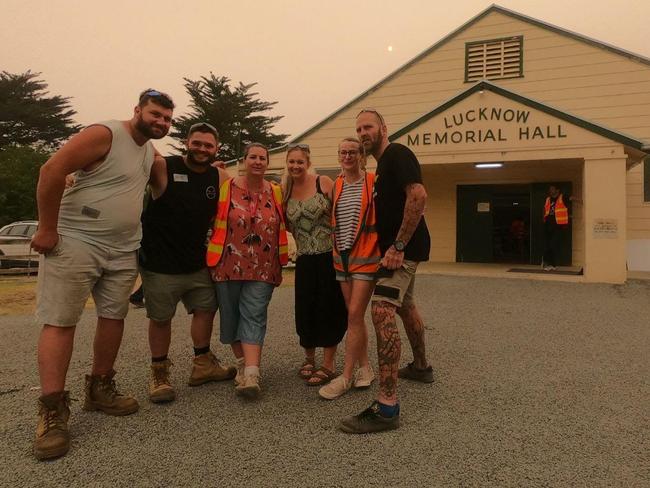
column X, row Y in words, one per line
column 246, row 253
column 356, row 260
column 321, row 315
column 175, row 225
column 88, row 236
column 404, row 241
column 556, row 221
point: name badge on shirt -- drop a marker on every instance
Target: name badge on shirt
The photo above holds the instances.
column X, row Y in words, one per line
column 180, row 178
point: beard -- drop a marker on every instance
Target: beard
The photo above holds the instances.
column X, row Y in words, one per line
column 372, row 144
column 204, row 161
column 148, row 130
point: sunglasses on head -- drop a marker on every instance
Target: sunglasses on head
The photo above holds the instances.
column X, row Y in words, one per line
column 155, row 93
column 373, row 111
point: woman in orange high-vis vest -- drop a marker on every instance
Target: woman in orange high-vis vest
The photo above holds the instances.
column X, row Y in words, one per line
column 245, row 255
column 556, row 220
column 356, row 260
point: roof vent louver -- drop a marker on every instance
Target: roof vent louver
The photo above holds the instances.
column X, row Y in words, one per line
column 494, row 59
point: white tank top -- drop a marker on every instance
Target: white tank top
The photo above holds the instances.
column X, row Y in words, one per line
column 103, row 206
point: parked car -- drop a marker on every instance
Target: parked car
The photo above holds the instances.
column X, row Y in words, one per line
column 15, row 239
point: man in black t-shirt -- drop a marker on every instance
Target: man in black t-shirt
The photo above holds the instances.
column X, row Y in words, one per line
column 175, row 224
column 404, row 241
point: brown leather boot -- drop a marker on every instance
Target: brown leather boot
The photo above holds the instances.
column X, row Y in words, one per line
column 102, row 394
column 208, row 368
column 52, row 436
column 160, row 388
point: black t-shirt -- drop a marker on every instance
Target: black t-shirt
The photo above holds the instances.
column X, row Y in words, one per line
column 175, row 225
column 398, row 167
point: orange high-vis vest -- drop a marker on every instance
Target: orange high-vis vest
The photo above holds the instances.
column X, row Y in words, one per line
column 218, row 239
column 561, row 212
column 364, row 256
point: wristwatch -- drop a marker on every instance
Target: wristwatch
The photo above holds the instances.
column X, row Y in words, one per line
column 399, row 246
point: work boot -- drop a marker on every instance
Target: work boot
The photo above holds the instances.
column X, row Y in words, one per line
column 102, row 394
column 160, row 388
column 208, row 368
column 52, row 436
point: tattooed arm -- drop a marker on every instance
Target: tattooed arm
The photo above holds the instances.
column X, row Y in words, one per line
column 416, row 197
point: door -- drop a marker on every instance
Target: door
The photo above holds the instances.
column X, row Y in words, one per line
column 474, row 240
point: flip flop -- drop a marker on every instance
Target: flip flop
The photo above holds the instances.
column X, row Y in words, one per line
column 322, row 376
column 307, row 369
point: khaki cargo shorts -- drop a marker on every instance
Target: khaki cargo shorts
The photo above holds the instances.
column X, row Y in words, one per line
column 397, row 288
column 74, row 270
column 162, row 292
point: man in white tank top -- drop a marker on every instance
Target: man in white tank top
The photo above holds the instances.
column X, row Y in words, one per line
column 88, row 235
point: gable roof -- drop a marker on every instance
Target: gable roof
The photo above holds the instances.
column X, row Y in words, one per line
column 493, row 8
column 572, row 119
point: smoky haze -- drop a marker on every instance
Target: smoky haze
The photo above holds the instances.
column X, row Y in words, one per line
column 312, row 57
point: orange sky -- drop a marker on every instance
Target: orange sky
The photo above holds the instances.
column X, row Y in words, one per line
column 310, row 56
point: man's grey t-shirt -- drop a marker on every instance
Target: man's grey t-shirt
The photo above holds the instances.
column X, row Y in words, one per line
column 103, row 206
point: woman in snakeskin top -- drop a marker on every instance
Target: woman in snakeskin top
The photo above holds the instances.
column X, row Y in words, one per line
column 321, row 316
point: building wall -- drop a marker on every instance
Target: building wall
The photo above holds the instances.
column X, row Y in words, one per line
column 565, row 73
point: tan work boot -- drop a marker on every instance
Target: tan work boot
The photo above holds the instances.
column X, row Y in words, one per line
column 249, row 387
column 208, row 368
column 52, row 436
column 102, row 394
column 160, row 388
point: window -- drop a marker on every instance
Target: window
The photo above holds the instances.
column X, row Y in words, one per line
column 494, row 59
column 18, row 230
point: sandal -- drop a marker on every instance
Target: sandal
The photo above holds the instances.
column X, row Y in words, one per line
column 307, row 369
column 321, row 377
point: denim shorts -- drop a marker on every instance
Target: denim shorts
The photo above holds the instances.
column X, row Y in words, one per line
column 243, row 307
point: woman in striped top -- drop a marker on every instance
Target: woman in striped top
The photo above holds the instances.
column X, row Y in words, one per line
column 352, row 204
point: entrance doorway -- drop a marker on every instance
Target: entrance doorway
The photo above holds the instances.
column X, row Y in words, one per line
column 504, row 224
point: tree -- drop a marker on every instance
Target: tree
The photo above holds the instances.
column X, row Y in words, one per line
column 237, row 113
column 19, row 167
column 29, row 117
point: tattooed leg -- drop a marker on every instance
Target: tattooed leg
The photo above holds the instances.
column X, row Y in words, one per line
column 388, row 350
column 414, row 327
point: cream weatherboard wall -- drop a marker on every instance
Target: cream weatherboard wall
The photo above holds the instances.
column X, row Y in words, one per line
column 560, row 69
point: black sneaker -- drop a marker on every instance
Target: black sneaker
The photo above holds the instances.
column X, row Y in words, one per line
column 410, row 372
column 370, row 420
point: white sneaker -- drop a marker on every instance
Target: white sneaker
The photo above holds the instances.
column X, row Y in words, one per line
column 249, row 387
column 239, row 377
column 364, row 377
column 335, row 388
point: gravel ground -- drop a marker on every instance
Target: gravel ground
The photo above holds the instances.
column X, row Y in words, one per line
column 537, row 384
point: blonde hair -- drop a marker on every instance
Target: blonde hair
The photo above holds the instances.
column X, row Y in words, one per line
column 362, row 151
column 287, row 181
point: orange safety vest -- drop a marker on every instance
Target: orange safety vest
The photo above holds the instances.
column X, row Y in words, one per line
column 364, row 256
column 561, row 212
column 218, row 239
